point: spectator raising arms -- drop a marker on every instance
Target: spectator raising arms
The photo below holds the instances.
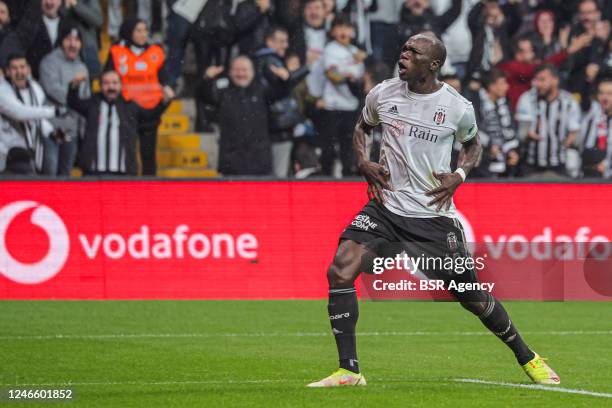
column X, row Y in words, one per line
column 310, row 61
column 51, row 23
column 87, row 14
column 37, row 33
column 23, row 112
column 284, row 114
column 590, row 23
column 521, row 69
column 545, row 39
column 344, row 69
column 244, row 145
column 109, row 143
column 57, row 70
column 492, row 28
column 141, row 66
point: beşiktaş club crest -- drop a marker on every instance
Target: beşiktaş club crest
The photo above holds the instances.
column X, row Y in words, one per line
column 451, row 240
column 439, row 116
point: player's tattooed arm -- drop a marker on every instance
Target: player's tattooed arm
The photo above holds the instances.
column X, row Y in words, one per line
column 470, row 154
column 469, row 157
column 375, row 174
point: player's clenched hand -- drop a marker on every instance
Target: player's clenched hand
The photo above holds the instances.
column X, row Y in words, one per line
column 377, row 177
column 444, row 194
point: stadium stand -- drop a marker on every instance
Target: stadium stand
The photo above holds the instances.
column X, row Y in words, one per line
column 515, row 36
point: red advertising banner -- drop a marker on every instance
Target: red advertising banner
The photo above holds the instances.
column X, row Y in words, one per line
column 272, row 240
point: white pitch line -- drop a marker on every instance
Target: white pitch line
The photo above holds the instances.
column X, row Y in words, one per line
column 115, row 336
column 186, row 382
column 552, row 388
column 113, row 383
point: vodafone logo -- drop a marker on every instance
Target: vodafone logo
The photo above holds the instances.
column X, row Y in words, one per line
column 547, row 245
column 59, row 244
column 182, row 243
column 26, row 258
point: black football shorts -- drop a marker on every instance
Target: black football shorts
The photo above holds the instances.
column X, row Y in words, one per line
column 439, row 241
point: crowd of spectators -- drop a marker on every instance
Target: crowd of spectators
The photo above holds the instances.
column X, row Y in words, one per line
column 284, row 81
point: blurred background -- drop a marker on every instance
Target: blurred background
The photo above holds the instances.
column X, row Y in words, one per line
column 213, row 88
column 151, row 150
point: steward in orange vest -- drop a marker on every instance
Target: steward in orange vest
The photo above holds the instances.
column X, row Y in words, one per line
column 139, row 73
column 144, row 82
column 140, row 66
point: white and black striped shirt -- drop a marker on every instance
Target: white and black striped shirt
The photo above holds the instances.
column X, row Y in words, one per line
column 596, row 132
column 553, row 122
column 110, row 151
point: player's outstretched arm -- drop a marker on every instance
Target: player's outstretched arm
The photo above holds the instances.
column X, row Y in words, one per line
column 375, row 174
column 469, row 157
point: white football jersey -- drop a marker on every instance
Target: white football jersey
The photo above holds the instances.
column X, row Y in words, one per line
column 418, row 131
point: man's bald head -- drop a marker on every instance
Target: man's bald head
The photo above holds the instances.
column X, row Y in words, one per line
column 422, row 57
column 241, row 71
column 435, row 48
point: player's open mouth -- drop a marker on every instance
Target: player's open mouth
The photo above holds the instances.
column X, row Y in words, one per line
column 401, row 65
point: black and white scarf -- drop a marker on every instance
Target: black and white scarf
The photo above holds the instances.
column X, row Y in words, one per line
column 32, row 129
column 497, row 127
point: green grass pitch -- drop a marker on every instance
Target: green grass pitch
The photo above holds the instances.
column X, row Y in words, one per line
column 262, row 353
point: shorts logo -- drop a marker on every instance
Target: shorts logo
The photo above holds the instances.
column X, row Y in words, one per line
column 339, row 316
column 439, row 116
column 451, row 240
column 364, row 222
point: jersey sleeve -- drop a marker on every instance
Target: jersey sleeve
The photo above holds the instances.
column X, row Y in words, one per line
column 525, row 111
column 370, row 110
column 467, row 128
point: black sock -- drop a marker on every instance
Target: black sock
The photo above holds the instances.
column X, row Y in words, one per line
column 496, row 319
column 343, row 314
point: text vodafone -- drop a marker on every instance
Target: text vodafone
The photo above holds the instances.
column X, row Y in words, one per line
column 548, row 245
column 182, row 243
